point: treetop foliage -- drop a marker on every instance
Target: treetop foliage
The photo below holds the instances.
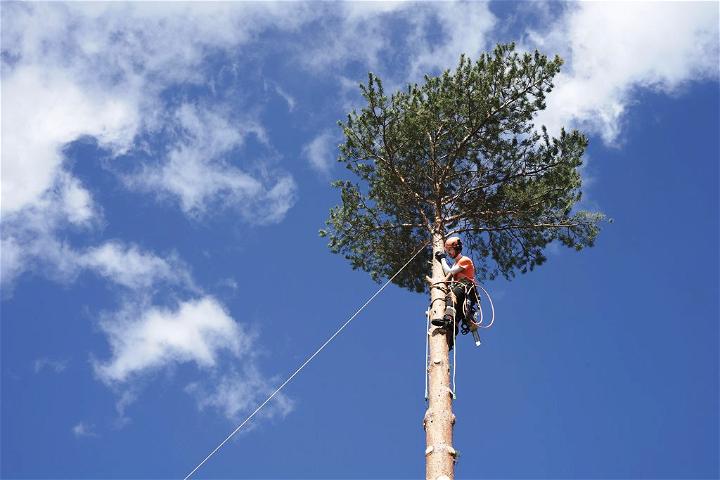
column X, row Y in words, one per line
column 460, row 154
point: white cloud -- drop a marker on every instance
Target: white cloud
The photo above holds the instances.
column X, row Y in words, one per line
column 199, row 174
column 97, row 69
column 12, row 262
column 434, row 34
column 83, row 429
column 614, row 49
column 144, row 340
column 126, row 397
column 465, row 27
column 71, row 70
column 229, row 283
column 131, row 267
column 77, row 203
column 289, row 99
column 321, row 152
column 240, row 391
column 29, row 239
column 30, row 243
column 42, row 111
column 350, row 31
column 129, row 41
column 273, row 204
column 57, row 366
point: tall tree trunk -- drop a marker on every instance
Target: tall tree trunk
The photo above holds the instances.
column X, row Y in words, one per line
column 439, row 418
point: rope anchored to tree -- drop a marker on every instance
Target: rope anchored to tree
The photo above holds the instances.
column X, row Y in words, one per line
column 337, row 332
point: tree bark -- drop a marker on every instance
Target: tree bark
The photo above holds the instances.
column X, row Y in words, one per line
column 439, row 419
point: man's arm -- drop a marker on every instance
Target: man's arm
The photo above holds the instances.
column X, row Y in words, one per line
column 448, row 270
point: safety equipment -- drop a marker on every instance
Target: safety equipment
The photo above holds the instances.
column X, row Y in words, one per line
column 439, row 256
column 448, row 314
column 454, row 242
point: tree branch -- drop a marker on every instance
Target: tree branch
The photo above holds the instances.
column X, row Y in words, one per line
column 535, row 226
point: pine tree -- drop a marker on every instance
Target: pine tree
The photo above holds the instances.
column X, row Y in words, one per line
column 458, row 154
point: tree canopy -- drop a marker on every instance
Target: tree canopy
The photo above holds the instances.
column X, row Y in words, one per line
column 460, row 154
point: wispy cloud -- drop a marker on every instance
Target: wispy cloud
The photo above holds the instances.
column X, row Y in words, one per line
column 199, row 169
column 48, row 364
column 289, row 99
column 147, row 340
column 321, row 152
column 464, row 27
column 30, row 243
column 239, row 391
column 83, row 429
column 434, row 36
column 129, row 266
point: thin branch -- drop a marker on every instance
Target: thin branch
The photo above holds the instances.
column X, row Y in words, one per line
column 535, row 226
column 375, row 228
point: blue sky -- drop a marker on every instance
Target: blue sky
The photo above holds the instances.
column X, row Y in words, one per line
column 165, row 172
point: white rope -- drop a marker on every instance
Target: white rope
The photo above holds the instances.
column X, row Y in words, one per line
column 454, row 352
column 306, row 362
column 492, row 309
column 427, row 352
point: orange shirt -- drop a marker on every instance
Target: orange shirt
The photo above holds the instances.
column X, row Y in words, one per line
column 468, row 269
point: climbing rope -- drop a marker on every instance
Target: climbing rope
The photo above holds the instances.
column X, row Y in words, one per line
column 455, row 347
column 427, row 351
column 492, row 310
column 307, row 361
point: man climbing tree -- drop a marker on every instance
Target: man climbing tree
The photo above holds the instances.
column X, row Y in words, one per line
column 461, row 291
column 458, row 154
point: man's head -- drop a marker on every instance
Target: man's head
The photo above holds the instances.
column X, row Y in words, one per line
column 453, row 246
